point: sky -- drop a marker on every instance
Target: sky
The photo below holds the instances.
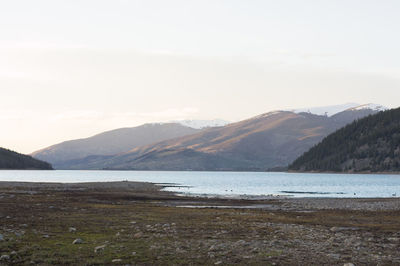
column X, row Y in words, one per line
column 71, row 69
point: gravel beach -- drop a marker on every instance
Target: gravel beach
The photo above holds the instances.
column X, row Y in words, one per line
column 133, row 223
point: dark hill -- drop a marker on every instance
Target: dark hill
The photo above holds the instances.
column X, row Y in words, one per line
column 371, row 144
column 13, row 160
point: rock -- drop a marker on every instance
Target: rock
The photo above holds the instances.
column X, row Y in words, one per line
column 180, row 250
column 133, row 222
column 336, row 229
column 393, row 239
column 72, row 229
column 348, row 264
column 133, row 253
column 13, row 253
column 218, row 262
column 46, row 236
column 4, row 258
column 340, row 229
column 240, row 242
column 77, row 241
column 116, row 260
column 331, row 240
column 138, row 235
column 117, row 234
column 334, row 256
column 1, row 237
column 99, row 248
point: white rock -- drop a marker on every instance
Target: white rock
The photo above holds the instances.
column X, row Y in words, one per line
column 77, row 241
column 99, row 248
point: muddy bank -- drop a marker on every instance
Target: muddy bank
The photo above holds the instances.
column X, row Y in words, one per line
column 138, row 224
column 108, row 186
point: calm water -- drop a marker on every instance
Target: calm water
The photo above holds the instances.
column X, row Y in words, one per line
column 233, row 183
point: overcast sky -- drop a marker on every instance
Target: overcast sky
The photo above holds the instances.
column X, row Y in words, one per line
column 71, row 69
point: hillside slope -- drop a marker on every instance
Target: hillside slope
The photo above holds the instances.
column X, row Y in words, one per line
column 13, row 160
column 371, row 144
column 111, row 142
column 259, row 143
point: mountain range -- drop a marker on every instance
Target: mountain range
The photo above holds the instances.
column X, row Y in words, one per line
column 270, row 140
column 371, row 144
column 334, row 109
column 111, row 142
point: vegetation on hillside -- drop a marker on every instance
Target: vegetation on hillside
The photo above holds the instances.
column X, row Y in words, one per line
column 371, row 144
column 260, row 143
column 13, row 160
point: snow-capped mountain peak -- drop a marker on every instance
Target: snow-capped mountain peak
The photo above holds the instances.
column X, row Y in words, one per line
column 372, row 106
column 199, row 124
column 334, row 109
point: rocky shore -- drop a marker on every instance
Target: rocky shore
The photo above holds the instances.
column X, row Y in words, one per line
column 132, row 223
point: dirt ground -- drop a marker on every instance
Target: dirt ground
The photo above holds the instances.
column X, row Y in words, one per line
column 128, row 223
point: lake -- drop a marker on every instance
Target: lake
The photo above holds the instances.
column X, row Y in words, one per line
column 232, row 183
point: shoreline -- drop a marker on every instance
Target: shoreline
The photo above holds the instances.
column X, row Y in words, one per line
column 139, row 224
column 341, row 173
column 233, row 171
column 156, row 191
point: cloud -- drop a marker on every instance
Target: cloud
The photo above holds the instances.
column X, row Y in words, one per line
column 94, row 115
column 42, row 45
column 172, row 112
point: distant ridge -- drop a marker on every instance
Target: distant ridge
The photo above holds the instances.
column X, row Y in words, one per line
column 200, row 124
column 267, row 141
column 331, row 110
column 371, row 144
column 13, row 160
column 111, row 142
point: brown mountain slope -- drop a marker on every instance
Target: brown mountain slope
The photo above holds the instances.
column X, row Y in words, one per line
column 262, row 142
column 111, row 142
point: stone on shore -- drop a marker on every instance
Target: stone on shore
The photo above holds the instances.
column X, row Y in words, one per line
column 77, row 241
column 99, row 248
